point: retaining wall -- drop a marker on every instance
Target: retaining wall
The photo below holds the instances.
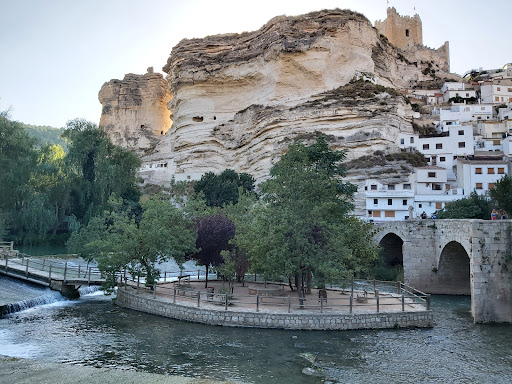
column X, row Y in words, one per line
column 304, row 321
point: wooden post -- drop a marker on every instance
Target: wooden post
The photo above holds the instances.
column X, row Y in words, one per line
column 79, row 270
column 198, row 299
column 226, row 304
column 65, row 271
column 254, row 276
column 44, row 260
column 26, row 270
column 6, row 262
column 154, row 290
column 351, row 303
column 125, row 283
column 398, row 287
column 374, row 285
column 12, row 245
column 403, row 302
column 321, row 305
column 138, row 284
column 257, row 303
column 352, row 289
column 378, row 308
column 50, row 274
column 174, row 296
column 289, row 303
column 198, row 274
column 427, row 300
column 165, row 276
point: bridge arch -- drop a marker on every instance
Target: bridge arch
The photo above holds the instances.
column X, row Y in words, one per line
column 454, row 270
column 391, row 250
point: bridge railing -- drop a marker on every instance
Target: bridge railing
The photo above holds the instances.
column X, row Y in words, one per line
column 51, row 269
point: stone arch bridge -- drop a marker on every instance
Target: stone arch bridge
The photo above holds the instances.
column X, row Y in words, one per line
column 457, row 257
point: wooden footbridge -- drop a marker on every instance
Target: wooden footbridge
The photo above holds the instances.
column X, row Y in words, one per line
column 56, row 274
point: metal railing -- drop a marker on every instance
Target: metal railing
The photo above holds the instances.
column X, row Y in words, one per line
column 399, row 297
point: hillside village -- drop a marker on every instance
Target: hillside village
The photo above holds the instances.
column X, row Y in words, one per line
column 464, row 131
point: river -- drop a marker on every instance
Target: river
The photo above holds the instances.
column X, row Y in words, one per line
column 92, row 331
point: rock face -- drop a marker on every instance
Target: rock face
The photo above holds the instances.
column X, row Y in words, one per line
column 239, row 99
column 135, row 112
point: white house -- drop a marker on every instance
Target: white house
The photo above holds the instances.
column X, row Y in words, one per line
column 496, row 93
column 388, row 202
column 450, row 90
column 480, row 173
column 466, row 112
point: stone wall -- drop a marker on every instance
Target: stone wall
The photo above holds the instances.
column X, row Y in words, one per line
column 401, row 31
column 303, row 321
column 459, row 257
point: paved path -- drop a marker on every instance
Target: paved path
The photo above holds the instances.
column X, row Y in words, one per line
column 24, row 371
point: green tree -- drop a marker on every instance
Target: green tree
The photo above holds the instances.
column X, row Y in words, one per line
column 222, row 189
column 300, row 227
column 472, row 207
column 502, row 194
column 116, row 240
column 17, row 160
column 98, row 169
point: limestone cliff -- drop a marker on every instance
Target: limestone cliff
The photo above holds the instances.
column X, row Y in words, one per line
column 239, row 99
column 135, row 112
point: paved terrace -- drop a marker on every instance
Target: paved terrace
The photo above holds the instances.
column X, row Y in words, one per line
column 255, row 304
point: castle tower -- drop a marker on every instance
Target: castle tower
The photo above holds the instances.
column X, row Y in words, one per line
column 401, row 31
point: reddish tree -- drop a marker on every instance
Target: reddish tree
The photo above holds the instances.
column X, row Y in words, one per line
column 213, row 235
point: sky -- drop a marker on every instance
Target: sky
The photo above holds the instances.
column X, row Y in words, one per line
column 56, row 54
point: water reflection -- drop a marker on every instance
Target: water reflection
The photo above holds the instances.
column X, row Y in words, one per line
column 94, row 332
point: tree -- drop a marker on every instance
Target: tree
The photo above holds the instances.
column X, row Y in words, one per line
column 300, row 228
column 222, row 189
column 116, row 241
column 98, row 169
column 213, row 235
column 502, row 194
column 472, row 207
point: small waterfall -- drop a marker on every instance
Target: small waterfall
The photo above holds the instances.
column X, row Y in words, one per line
column 88, row 290
column 48, row 298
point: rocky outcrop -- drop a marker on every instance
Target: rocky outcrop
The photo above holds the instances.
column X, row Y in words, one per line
column 240, row 99
column 135, row 112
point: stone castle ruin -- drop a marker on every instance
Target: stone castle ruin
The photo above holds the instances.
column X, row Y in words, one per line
column 406, row 33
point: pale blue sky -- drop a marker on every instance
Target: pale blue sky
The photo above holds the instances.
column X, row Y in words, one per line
column 56, row 54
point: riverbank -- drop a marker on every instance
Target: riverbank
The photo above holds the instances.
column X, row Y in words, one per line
column 14, row 370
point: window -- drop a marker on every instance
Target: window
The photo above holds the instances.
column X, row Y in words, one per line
column 390, row 214
column 496, row 98
column 491, row 185
column 426, row 146
column 407, row 33
column 496, row 142
column 404, row 202
column 431, row 174
column 376, row 213
column 501, row 171
column 454, row 157
column 390, row 201
column 402, row 141
column 412, row 140
column 391, row 187
column 439, row 146
column 490, row 171
column 498, row 88
column 439, row 205
column 427, row 159
column 509, row 89
column 467, row 94
column 373, row 187
column 482, row 108
column 461, row 132
column 407, row 186
column 478, row 171
column 437, row 187
column 462, row 144
column 478, row 185
column 419, row 205
column 375, row 201
column 442, row 158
